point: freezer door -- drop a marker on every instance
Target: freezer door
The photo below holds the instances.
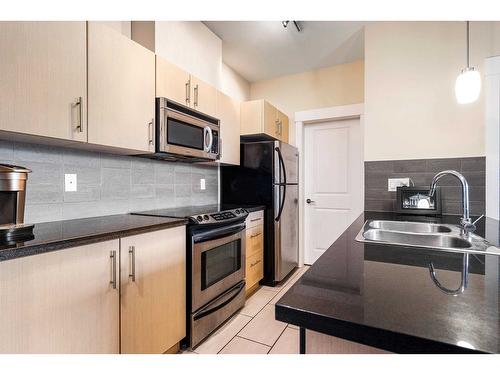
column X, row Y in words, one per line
column 286, row 247
column 290, row 161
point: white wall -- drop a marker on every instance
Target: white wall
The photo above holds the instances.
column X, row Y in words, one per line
column 327, row 87
column 192, row 46
column 492, row 93
column 234, row 85
column 123, row 27
column 410, row 106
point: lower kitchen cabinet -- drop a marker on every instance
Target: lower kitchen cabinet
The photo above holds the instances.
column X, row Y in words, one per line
column 254, row 262
column 153, row 290
column 61, row 302
column 319, row 343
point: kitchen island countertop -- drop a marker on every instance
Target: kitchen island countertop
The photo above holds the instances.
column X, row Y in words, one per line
column 383, row 295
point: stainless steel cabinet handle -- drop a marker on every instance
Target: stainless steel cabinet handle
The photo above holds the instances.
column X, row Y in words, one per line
column 252, row 220
column 196, row 96
column 188, row 92
column 112, row 257
column 151, row 132
column 254, row 264
column 255, row 235
column 280, row 126
column 131, row 258
column 308, row 201
column 277, row 131
column 79, row 104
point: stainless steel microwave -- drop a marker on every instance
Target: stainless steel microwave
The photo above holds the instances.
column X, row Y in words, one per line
column 185, row 134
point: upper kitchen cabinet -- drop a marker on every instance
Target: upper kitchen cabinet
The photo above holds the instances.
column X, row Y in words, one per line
column 260, row 117
column 121, row 90
column 43, row 79
column 284, row 125
column 203, row 96
column 172, row 82
column 178, row 85
column 228, row 112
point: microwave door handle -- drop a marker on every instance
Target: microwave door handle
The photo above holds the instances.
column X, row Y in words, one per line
column 216, row 305
column 208, row 131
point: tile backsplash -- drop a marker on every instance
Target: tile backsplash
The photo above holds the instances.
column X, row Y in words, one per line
column 421, row 171
column 106, row 184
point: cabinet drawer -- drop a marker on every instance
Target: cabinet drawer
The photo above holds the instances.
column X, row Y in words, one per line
column 254, row 240
column 254, row 269
column 255, row 218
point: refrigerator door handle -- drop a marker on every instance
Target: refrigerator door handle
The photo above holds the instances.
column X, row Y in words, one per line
column 282, row 165
column 282, row 183
column 282, row 203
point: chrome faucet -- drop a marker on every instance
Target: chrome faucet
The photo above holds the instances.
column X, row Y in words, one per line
column 465, row 221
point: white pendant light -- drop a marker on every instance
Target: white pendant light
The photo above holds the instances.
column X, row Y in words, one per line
column 468, row 83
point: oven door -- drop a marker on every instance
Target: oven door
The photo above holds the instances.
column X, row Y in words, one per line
column 218, row 262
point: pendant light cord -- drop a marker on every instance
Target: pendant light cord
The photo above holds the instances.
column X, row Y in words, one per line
column 468, row 63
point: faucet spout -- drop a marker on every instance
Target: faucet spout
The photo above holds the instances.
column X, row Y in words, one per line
column 465, row 222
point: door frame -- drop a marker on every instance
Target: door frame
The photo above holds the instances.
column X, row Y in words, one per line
column 316, row 116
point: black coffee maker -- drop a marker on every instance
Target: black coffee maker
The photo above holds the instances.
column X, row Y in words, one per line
column 12, row 201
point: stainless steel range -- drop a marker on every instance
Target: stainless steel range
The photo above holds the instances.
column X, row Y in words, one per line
column 215, row 265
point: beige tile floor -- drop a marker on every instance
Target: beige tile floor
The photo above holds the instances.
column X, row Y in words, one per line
column 253, row 330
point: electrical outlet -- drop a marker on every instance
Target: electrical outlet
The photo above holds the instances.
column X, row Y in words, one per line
column 202, row 184
column 70, row 182
column 393, row 183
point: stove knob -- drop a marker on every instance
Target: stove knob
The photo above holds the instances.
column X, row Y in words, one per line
column 199, row 218
column 205, row 217
column 238, row 212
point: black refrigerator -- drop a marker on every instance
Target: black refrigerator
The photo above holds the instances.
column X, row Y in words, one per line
column 268, row 175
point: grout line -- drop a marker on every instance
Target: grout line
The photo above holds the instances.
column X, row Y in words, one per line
column 257, row 342
column 281, row 334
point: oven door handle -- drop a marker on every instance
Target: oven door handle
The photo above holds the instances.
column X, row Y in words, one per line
column 220, row 302
column 218, row 233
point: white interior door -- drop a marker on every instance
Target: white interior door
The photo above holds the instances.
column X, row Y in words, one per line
column 334, row 180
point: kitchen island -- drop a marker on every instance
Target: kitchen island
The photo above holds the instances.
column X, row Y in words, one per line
column 370, row 298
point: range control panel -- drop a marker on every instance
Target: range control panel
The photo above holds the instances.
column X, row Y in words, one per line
column 219, row 217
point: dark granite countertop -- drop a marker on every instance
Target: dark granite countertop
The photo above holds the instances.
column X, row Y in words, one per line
column 383, row 295
column 59, row 235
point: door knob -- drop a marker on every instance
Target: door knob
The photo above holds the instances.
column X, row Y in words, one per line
column 308, row 201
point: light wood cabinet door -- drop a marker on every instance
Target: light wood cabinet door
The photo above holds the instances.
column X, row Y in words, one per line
column 153, row 290
column 271, row 126
column 203, row 97
column 61, row 302
column 283, row 126
column 172, row 82
column 228, row 112
column 252, row 117
column 121, row 90
column 43, row 79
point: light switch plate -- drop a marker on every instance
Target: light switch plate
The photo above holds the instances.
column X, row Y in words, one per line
column 393, row 183
column 202, row 184
column 70, row 182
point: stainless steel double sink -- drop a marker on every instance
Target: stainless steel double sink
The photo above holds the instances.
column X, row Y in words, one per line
column 426, row 235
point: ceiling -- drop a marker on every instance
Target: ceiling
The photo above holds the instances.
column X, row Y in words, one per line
column 260, row 50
